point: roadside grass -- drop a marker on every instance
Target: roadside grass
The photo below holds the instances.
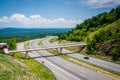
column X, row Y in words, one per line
column 54, row 39
column 74, row 49
column 17, row 67
column 11, row 69
column 40, row 70
column 26, row 45
column 40, row 42
column 63, row 42
column 52, row 51
column 88, row 65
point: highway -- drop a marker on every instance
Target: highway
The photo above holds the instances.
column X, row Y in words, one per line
column 98, row 62
column 63, row 69
column 55, row 69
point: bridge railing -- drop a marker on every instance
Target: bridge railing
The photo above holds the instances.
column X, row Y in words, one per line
column 80, row 47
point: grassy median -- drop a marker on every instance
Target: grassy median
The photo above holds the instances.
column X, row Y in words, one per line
column 40, row 42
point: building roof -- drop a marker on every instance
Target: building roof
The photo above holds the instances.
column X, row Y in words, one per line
column 3, row 44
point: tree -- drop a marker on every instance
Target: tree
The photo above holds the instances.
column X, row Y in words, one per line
column 118, row 12
column 62, row 36
column 115, row 54
column 101, row 32
column 11, row 43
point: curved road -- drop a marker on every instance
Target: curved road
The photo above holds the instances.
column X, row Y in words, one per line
column 63, row 69
column 101, row 63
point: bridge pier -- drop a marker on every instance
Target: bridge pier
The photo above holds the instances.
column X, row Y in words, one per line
column 6, row 50
column 80, row 48
column 26, row 53
column 59, row 50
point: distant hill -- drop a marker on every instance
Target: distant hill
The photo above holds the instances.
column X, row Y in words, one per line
column 22, row 34
column 13, row 31
column 101, row 32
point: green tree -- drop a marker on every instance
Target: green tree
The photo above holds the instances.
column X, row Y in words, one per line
column 11, row 43
column 62, row 36
column 2, row 52
column 115, row 54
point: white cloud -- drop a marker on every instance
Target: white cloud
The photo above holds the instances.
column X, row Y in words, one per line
column 4, row 19
column 101, row 3
column 20, row 18
column 38, row 21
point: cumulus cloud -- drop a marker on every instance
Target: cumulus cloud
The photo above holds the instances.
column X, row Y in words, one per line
column 101, row 3
column 37, row 20
column 4, row 19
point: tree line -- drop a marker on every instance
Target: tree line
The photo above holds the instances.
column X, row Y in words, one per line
column 11, row 40
column 102, row 28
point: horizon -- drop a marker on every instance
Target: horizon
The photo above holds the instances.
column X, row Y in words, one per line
column 51, row 13
column 33, row 28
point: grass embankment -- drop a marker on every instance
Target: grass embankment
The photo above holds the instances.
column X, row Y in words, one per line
column 26, row 45
column 40, row 42
column 85, row 64
column 62, row 42
column 54, row 39
column 20, row 68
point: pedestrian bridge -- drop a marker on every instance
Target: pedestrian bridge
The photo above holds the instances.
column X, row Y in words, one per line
column 58, row 48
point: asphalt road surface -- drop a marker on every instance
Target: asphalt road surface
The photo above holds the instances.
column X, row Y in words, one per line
column 63, row 69
column 98, row 62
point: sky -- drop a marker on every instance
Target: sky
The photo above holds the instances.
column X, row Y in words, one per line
column 50, row 13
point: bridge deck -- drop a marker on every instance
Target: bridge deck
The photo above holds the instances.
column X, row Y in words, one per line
column 48, row 47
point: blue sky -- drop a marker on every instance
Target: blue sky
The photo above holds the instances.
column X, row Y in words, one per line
column 50, row 13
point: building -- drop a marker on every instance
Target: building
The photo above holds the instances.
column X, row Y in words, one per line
column 3, row 45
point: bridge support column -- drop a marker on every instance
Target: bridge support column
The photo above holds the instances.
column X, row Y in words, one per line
column 26, row 53
column 80, row 48
column 59, row 50
column 6, row 50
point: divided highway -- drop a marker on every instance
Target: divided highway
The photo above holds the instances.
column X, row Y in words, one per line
column 63, row 69
column 101, row 63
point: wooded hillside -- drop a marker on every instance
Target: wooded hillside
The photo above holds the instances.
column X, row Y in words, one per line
column 102, row 29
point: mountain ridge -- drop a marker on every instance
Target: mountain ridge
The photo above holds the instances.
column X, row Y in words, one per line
column 32, row 30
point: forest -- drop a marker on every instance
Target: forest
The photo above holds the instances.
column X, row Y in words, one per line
column 101, row 33
column 11, row 36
